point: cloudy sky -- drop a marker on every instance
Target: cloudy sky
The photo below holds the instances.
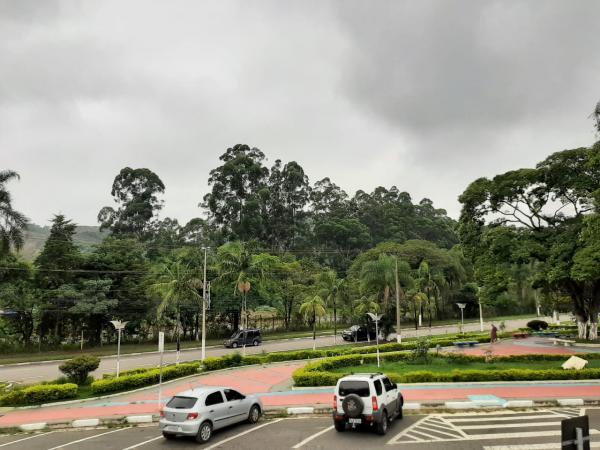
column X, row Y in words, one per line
column 424, row 95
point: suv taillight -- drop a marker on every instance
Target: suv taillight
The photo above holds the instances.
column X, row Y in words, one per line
column 162, row 413
column 374, row 403
column 334, row 402
column 191, row 416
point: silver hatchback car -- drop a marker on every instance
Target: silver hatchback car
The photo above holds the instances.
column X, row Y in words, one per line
column 197, row 412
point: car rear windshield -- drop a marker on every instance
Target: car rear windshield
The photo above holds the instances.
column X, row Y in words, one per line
column 360, row 388
column 182, row 402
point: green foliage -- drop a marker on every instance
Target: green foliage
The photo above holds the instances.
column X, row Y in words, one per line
column 420, row 352
column 136, row 193
column 39, row 393
column 78, row 369
column 12, row 222
column 141, row 379
column 537, row 325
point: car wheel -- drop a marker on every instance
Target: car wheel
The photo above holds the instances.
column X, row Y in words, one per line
column 382, row 426
column 234, row 345
column 255, row 343
column 169, row 436
column 400, row 413
column 204, row 432
column 254, row 414
column 340, row 425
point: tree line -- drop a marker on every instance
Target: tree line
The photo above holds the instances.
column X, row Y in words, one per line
column 307, row 252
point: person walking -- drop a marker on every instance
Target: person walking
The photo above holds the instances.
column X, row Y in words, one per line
column 494, row 334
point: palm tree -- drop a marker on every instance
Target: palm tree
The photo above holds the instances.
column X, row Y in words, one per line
column 331, row 290
column 363, row 306
column 379, row 276
column 313, row 307
column 12, row 223
column 238, row 266
column 176, row 284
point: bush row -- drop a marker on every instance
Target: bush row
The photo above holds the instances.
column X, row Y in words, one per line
column 141, row 379
column 39, row 393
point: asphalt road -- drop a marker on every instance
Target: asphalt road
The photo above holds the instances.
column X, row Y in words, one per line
column 35, row 372
column 524, row 430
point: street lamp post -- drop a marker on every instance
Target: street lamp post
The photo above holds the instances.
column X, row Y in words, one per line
column 376, row 318
column 480, row 317
column 462, row 317
column 119, row 326
column 203, row 355
column 244, row 288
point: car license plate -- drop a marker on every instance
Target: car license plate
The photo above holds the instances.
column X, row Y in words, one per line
column 357, row 421
column 171, row 428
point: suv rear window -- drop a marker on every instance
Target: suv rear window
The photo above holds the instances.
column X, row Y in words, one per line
column 182, row 402
column 360, row 388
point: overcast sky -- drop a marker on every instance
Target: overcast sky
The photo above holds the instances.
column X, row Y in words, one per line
column 424, row 95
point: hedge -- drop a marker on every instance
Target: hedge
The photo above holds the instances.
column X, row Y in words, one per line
column 317, row 373
column 235, row 359
column 146, row 378
column 39, row 393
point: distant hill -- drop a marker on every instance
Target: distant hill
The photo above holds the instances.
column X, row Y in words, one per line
column 35, row 236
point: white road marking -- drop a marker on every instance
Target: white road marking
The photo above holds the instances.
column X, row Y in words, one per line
column 511, row 425
column 243, row 433
column 314, row 436
column 549, row 446
column 429, row 427
column 406, row 430
column 144, row 443
column 87, row 438
column 27, row 438
column 493, row 419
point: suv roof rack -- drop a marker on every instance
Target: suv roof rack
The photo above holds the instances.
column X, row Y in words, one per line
column 369, row 374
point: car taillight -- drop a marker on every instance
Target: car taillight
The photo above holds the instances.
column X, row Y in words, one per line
column 374, row 403
column 162, row 413
column 191, row 416
column 334, row 401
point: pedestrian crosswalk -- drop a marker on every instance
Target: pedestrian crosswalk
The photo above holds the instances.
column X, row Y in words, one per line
column 488, row 425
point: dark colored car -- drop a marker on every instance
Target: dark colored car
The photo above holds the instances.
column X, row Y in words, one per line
column 358, row 333
column 249, row 336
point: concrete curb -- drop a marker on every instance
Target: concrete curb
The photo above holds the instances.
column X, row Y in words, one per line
column 423, row 408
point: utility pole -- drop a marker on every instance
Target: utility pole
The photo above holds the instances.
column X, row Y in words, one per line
column 398, row 329
column 203, row 356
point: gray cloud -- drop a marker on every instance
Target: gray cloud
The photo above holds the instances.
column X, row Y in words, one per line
column 425, row 95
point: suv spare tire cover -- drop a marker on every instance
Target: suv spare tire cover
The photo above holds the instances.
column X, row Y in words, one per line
column 353, row 405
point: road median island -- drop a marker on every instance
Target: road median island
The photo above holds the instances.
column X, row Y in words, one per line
column 401, row 367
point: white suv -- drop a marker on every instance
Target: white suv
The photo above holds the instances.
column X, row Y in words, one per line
column 369, row 399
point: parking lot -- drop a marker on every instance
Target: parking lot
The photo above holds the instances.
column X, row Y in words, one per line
column 527, row 430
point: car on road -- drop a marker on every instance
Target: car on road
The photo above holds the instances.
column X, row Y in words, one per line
column 367, row 400
column 198, row 412
column 249, row 336
column 358, row 333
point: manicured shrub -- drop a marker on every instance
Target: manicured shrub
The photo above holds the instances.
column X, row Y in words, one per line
column 537, row 325
column 146, row 378
column 39, row 393
column 78, row 369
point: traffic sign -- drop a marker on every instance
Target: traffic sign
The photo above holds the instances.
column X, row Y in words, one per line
column 575, row 433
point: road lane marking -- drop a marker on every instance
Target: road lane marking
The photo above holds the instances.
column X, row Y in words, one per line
column 242, row 434
column 314, row 436
column 27, row 438
column 88, row 438
column 406, row 430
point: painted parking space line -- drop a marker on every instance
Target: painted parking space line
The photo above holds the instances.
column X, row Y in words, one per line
column 88, row 438
column 243, row 433
column 549, row 446
column 314, row 436
column 144, row 442
column 27, row 438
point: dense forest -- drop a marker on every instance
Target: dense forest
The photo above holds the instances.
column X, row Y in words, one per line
column 298, row 253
